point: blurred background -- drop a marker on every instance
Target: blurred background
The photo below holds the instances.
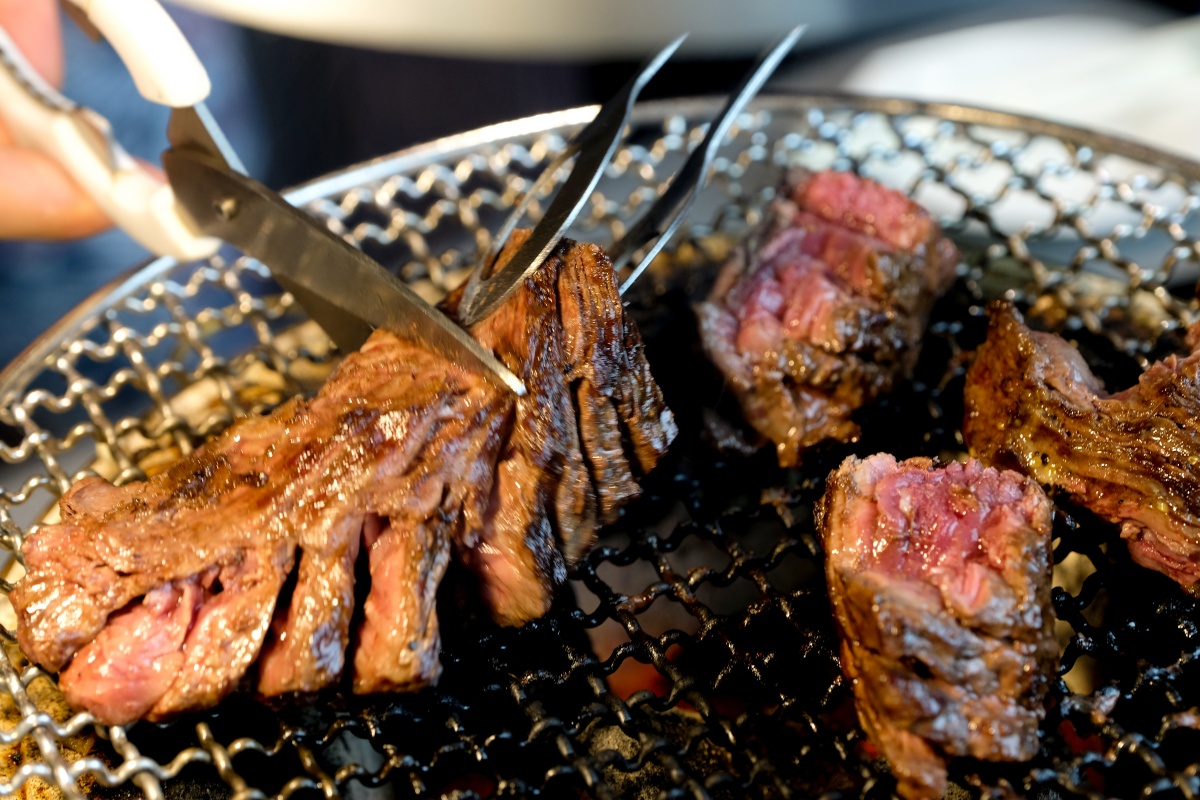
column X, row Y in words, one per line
column 308, row 86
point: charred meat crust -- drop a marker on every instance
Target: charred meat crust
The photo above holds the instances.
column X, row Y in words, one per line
column 940, row 583
column 156, row 597
column 822, row 310
column 1032, row 404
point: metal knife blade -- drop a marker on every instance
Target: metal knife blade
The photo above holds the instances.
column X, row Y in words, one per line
column 342, row 288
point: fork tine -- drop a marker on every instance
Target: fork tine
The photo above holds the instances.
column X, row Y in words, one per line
column 589, row 135
column 595, row 144
column 665, row 216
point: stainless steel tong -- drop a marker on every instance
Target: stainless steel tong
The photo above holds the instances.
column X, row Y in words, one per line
column 595, row 146
column 208, row 197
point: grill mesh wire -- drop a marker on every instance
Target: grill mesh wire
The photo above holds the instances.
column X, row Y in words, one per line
column 692, row 653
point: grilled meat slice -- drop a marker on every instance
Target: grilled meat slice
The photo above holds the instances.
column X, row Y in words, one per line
column 132, row 662
column 940, row 582
column 823, row 310
column 592, row 420
column 1032, row 404
column 398, row 642
column 305, row 646
column 416, row 507
column 236, row 516
column 514, row 553
column 157, row 597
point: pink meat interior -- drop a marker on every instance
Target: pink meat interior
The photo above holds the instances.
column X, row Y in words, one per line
column 952, row 528
column 865, row 206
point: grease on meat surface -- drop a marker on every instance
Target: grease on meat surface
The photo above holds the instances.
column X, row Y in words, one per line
column 158, row 597
column 1032, row 404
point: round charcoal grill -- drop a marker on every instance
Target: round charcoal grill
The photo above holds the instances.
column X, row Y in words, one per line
column 693, row 653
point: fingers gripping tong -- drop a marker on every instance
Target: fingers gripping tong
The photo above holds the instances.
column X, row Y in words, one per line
column 165, row 70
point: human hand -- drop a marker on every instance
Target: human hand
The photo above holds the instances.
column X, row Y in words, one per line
column 38, row 200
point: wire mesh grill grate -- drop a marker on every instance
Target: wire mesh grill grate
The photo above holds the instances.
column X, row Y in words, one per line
column 692, row 654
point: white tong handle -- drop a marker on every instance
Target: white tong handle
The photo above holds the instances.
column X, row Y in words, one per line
column 166, row 71
column 162, row 63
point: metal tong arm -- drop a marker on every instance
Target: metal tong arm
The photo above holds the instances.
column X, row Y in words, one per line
column 665, row 216
column 165, row 70
column 595, row 145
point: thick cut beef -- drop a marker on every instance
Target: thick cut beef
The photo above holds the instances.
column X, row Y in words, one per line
column 1032, row 404
column 398, row 648
column 940, row 583
column 823, row 310
column 592, row 420
column 227, row 525
column 304, row 648
column 137, row 656
column 157, row 597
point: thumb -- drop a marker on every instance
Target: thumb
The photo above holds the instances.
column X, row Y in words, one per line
column 38, row 200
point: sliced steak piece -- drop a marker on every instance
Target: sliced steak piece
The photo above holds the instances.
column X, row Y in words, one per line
column 306, row 647
column 122, row 673
column 592, row 420
column 231, row 515
column 514, row 554
column 823, row 310
column 99, row 559
column 418, row 504
column 1032, row 404
column 939, row 578
column 226, row 634
column 157, row 597
column 398, row 641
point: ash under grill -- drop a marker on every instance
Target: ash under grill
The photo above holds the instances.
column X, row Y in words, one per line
column 693, row 653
